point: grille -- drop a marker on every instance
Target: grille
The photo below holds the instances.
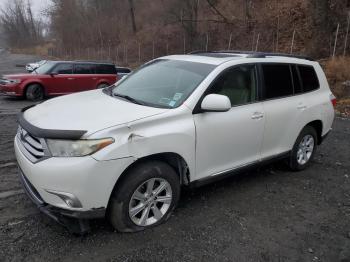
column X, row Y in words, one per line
column 34, row 147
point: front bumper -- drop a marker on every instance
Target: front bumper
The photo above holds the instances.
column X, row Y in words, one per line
column 89, row 180
column 57, row 214
column 9, row 90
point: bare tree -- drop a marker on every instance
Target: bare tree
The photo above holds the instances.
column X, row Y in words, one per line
column 20, row 27
column 248, row 16
column 132, row 15
column 320, row 20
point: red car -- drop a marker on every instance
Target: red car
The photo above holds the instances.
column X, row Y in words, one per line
column 58, row 78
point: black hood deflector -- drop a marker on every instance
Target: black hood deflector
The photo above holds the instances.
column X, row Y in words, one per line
column 48, row 133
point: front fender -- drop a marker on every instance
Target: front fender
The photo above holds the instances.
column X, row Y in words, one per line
column 164, row 133
column 22, row 87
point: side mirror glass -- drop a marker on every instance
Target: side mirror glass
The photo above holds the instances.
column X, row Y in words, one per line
column 216, row 103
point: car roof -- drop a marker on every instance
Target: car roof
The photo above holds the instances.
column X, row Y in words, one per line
column 219, row 57
column 84, row 62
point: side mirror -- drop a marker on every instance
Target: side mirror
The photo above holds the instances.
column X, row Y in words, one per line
column 216, row 103
column 53, row 74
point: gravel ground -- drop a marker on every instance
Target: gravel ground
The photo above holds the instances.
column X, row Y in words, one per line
column 270, row 214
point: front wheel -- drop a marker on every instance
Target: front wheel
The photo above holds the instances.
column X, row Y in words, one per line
column 303, row 149
column 35, row 92
column 145, row 198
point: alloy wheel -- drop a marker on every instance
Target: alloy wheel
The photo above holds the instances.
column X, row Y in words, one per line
column 150, row 202
column 305, row 149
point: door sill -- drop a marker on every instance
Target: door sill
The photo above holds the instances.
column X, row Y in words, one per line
column 238, row 170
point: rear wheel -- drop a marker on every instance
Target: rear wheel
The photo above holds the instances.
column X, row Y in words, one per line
column 303, row 149
column 101, row 86
column 145, row 198
column 35, row 92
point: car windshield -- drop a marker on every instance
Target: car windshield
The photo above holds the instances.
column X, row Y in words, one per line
column 41, row 62
column 162, row 83
column 44, row 69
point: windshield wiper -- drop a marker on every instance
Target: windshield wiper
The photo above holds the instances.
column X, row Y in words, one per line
column 133, row 100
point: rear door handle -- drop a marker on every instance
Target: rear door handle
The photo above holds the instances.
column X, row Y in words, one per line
column 257, row 115
column 301, row 106
column 70, row 78
column 94, row 78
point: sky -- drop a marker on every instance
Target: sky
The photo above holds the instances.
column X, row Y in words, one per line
column 37, row 5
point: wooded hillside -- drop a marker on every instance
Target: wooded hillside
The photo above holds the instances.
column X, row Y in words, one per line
column 132, row 31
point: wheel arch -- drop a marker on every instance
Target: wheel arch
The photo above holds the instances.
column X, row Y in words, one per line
column 103, row 82
column 318, row 126
column 33, row 83
column 173, row 159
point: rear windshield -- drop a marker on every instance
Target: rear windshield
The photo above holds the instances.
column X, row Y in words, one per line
column 163, row 83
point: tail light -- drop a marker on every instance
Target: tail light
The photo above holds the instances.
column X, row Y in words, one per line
column 333, row 100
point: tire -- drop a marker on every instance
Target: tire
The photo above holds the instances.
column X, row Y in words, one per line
column 101, row 86
column 35, row 92
column 124, row 199
column 304, row 149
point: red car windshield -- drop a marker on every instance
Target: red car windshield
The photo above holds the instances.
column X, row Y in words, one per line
column 44, row 69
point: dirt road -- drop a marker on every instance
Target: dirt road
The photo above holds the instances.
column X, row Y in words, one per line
column 270, row 214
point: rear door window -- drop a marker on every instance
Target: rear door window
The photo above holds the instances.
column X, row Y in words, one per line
column 277, row 80
column 63, row 69
column 84, row 69
column 308, row 78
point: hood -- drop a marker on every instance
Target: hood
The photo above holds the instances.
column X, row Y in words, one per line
column 91, row 111
column 16, row 76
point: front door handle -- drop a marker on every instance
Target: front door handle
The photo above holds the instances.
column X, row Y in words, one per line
column 257, row 115
column 70, row 78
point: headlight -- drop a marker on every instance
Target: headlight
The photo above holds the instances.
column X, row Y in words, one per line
column 75, row 148
column 10, row 81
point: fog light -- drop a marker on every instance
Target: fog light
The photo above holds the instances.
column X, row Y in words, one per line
column 70, row 199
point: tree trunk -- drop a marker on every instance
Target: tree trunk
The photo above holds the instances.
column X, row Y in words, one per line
column 132, row 15
column 248, row 16
column 320, row 25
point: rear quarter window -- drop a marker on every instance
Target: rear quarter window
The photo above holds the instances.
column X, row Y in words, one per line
column 106, row 69
column 123, row 70
column 309, row 78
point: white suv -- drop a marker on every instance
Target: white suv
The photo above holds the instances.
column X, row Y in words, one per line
column 125, row 151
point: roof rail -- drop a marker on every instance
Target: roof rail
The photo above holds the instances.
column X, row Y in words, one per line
column 252, row 54
column 91, row 61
